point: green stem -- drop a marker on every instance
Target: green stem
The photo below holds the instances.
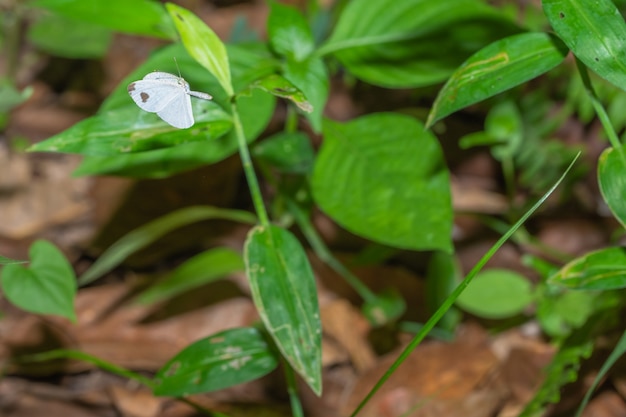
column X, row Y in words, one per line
column 292, row 390
column 248, row 168
column 597, row 106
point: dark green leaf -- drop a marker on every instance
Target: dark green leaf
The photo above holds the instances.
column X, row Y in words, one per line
column 283, row 289
column 289, row 33
column 280, row 87
column 140, row 17
column 311, row 77
column 612, row 181
column 595, row 34
column 220, row 361
column 412, row 43
column 203, row 268
column 48, row 286
column 288, row 152
column 386, row 308
column 604, row 269
column 383, row 177
column 498, row 67
column 203, row 45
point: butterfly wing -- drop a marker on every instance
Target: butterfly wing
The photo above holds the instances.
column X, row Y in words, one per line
column 178, row 112
column 154, row 95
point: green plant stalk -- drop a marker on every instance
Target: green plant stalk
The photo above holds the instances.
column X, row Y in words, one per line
column 248, row 168
column 325, row 255
column 292, row 390
column 597, row 106
column 447, row 304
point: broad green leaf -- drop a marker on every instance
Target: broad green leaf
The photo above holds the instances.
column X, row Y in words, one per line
column 412, row 43
column 612, row 181
column 69, row 38
column 496, row 294
column 497, row 67
column 287, row 152
column 48, row 286
column 289, row 33
column 311, row 78
column 139, row 17
column 383, row 177
column 561, row 314
column 203, row 268
column 604, row 269
column 278, row 86
column 284, row 292
column 8, row 261
column 202, row 44
column 220, row 361
column 134, row 130
column 144, row 235
column 594, row 33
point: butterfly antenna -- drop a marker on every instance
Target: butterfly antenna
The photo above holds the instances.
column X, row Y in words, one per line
column 177, row 67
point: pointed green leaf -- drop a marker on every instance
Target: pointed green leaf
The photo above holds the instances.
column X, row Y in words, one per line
column 594, row 32
column 287, row 152
column 604, row 269
column 278, row 86
column 48, row 286
column 220, row 361
column 383, row 177
column 289, row 33
column 8, row 261
column 202, row 44
column 139, row 17
column 412, row 43
column 203, row 268
column 284, row 292
column 612, row 181
column 498, row 67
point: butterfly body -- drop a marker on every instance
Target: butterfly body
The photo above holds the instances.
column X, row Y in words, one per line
column 166, row 95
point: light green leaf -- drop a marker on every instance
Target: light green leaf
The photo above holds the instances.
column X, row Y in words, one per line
column 604, row 269
column 383, row 177
column 202, row 44
column 220, row 361
column 144, row 235
column 284, row 292
column 289, row 33
column 278, row 86
column 48, row 286
column 8, row 261
column 288, row 152
column 497, row 67
column 496, row 294
column 203, row 268
column 412, row 43
column 612, row 181
column 311, row 77
column 595, row 34
column 139, row 17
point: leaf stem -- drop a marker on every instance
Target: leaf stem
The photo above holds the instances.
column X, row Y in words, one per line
column 248, row 168
column 292, row 390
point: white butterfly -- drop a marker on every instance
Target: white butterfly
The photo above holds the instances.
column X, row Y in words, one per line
column 166, row 95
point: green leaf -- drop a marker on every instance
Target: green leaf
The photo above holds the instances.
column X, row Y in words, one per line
column 283, row 289
column 594, row 34
column 69, row 38
column 383, row 177
column 134, row 130
column 220, row 361
column 8, row 261
column 311, row 78
column 278, row 86
column 497, row 67
column 139, row 17
column 289, row 33
column 288, row 152
column 385, row 308
column 47, row 287
column 496, row 294
column 202, row 44
column 144, row 235
column 203, row 268
column 412, row 43
column 612, row 181
column 604, row 269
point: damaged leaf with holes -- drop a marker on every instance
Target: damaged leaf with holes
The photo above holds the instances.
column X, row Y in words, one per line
column 220, row 361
